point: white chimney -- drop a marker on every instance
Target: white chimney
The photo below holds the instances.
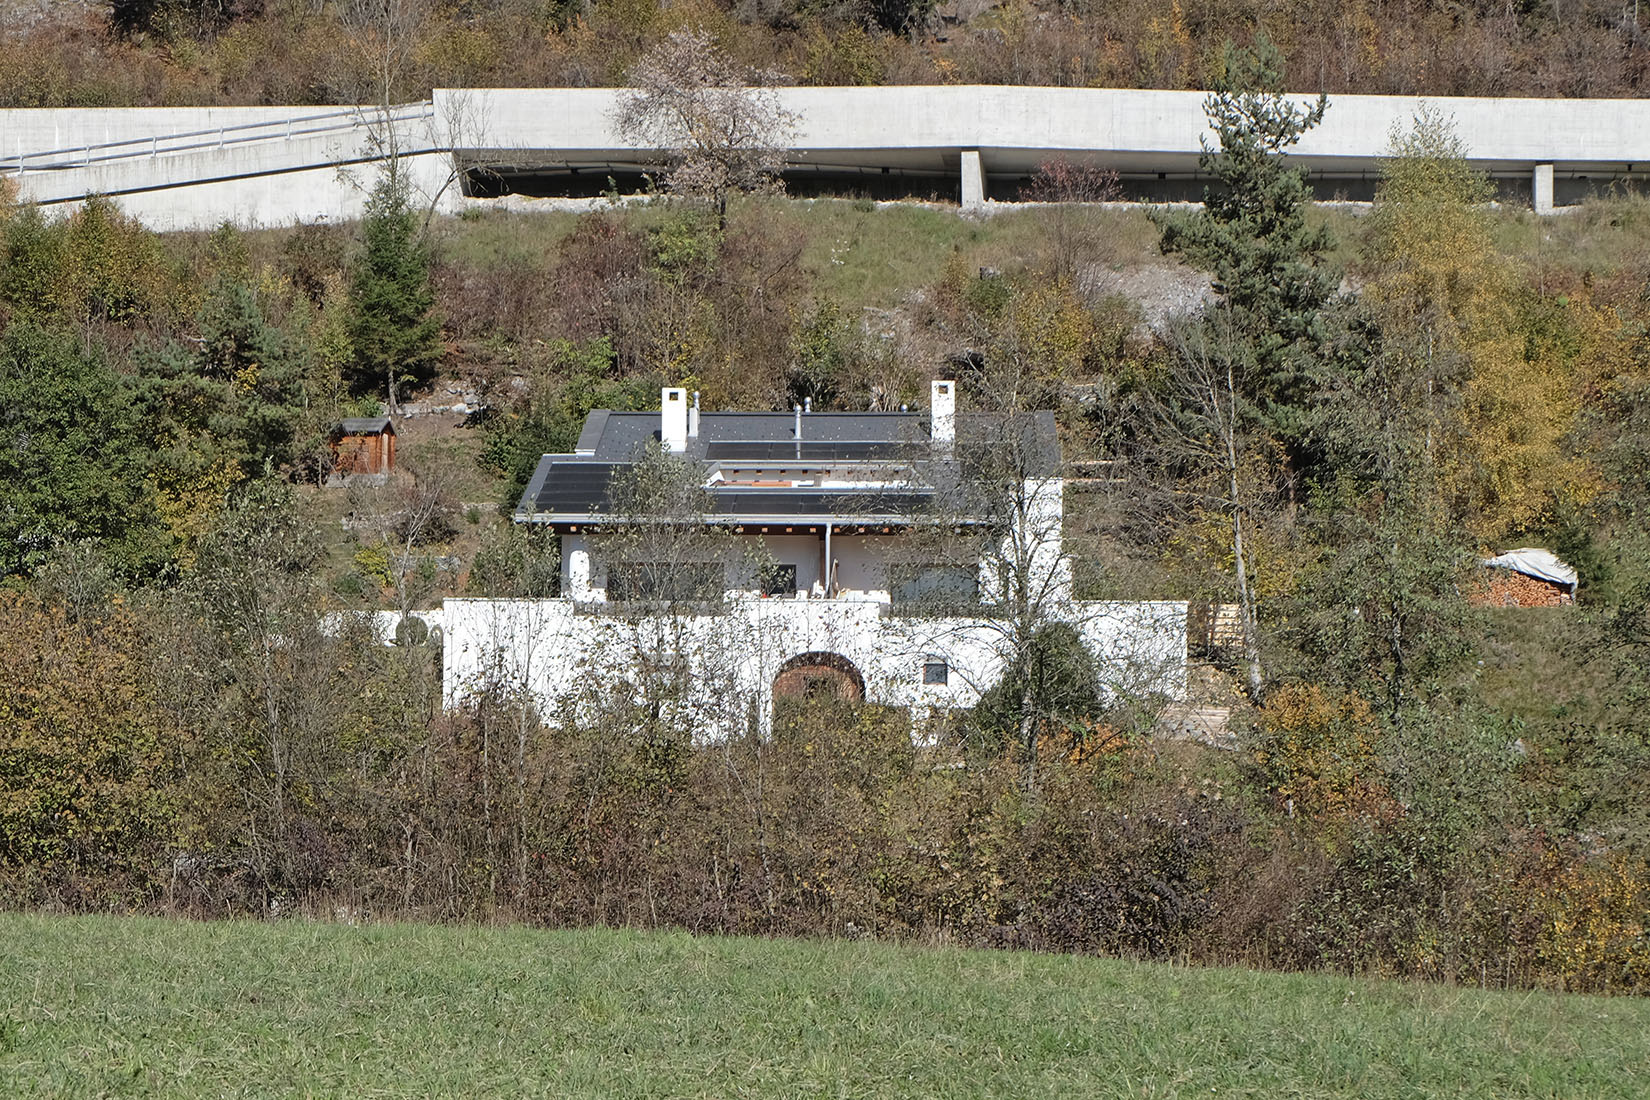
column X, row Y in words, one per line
column 693, row 417
column 673, row 419
column 942, row 412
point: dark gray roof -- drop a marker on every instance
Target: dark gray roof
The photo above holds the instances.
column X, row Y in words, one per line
column 575, row 488
column 619, row 436
column 367, row 425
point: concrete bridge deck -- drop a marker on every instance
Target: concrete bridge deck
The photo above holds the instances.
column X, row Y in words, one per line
column 195, row 167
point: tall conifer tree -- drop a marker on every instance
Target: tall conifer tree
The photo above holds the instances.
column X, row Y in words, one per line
column 1265, row 262
column 394, row 330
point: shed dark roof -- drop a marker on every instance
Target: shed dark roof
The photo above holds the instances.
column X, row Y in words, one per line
column 575, row 488
column 367, row 425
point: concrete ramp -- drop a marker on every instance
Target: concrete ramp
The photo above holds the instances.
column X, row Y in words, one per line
column 197, row 168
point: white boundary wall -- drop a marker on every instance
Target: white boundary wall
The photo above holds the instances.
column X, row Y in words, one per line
column 560, row 651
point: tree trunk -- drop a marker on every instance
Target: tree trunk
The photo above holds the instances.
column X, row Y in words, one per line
column 1246, row 598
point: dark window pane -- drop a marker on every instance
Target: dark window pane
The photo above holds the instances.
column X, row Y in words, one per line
column 681, row 581
column 781, row 581
column 938, row 586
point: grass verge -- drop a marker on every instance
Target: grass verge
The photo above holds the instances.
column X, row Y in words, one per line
column 142, row 1007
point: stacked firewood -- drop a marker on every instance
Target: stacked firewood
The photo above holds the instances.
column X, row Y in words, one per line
column 1507, row 588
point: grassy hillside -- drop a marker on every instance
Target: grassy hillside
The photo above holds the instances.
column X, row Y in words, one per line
column 99, row 1006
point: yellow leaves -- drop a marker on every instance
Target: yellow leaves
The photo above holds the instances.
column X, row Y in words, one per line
column 188, row 506
column 843, row 57
column 1510, row 462
column 1275, row 557
column 83, row 750
column 1502, row 369
column 464, row 50
column 1594, row 924
column 1052, row 328
column 1365, row 32
column 1317, row 748
column 1166, row 47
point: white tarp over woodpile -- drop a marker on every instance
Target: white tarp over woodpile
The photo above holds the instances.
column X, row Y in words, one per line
column 1534, row 562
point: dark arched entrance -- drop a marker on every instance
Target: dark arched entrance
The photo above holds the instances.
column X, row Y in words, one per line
column 819, row 676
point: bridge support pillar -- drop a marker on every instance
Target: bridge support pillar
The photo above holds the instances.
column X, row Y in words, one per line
column 1541, row 189
column 973, row 180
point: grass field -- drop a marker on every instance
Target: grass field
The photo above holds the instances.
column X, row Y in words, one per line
column 124, row 1007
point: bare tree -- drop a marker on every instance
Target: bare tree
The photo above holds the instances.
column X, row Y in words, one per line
column 719, row 123
column 412, row 509
column 668, row 566
column 987, row 566
column 1208, row 434
column 1074, row 233
column 386, row 34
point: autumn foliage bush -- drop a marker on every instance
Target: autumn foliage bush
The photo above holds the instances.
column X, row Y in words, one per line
column 93, row 771
column 294, row 51
column 150, row 759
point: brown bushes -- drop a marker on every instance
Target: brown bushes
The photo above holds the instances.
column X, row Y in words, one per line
column 292, row 52
column 834, row 826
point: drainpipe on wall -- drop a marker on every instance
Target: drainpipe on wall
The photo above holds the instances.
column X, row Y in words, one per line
column 826, row 571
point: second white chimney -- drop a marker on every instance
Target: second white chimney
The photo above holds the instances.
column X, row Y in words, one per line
column 673, row 419
column 942, row 406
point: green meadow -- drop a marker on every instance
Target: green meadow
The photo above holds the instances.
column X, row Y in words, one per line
column 93, row 1006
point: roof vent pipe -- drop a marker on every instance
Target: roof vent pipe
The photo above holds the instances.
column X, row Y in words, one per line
column 799, row 431
column 693, row 417
column 942, row 424
column 673, row 420
column 807, row 404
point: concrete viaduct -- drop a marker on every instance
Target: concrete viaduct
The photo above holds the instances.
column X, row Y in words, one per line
column 193, row 168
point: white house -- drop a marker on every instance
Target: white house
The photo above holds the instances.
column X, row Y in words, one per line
column 833, row 566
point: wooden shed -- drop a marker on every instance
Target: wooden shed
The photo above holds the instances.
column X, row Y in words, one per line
column 363, row 445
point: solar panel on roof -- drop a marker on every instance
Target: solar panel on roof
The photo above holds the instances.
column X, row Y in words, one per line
column 585, row 488
column 577, row 486
column 817, row 503
column 813, row 450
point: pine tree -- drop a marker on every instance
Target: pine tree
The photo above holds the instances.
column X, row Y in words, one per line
column 394, row 330
column 1265, row 262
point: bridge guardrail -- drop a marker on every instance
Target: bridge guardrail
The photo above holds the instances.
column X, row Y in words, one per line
column 283, row 129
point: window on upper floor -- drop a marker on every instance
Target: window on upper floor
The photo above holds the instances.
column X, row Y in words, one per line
column 935, row 587
column 936, row 671
column 779, row 580
column 664, row 581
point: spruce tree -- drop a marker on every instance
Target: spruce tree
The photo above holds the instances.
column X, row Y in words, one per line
column 394, row 330
column 1265, row 263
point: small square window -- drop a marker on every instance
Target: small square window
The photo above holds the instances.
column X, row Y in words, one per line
column 780, row 581
column 936, row 672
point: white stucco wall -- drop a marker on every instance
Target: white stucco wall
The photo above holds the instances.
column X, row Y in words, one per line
column 560, row 651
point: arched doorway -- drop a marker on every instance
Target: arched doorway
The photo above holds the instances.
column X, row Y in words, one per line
column 819, row 676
